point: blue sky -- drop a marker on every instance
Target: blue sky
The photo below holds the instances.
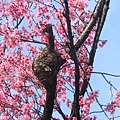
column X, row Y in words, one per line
column 108, row 58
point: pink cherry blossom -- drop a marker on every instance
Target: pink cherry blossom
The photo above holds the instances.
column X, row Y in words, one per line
column 22, row 95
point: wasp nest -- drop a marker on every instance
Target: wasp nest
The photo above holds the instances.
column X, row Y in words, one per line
column 46, row 65
column 47, row 62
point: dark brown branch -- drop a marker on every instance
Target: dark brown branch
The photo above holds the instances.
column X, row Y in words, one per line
column 104, row 73
column 90, row 25
column 61, row 112
column 34, row 41
column 113, row 118
column 19, row 22
column 51, row 92
column 75, row 107
column 46, row 65
column 101, row 106
column 103, row 14
column 49, row 101
column 108, row 82
column 48, row 29
column 95, row 112
column 22, row 18
column 98, row 32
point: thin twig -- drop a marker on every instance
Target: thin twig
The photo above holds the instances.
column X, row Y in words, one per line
column 108, row 82
column 34, row 41
column 104, row 73
column 99, row 103
column 60, row 111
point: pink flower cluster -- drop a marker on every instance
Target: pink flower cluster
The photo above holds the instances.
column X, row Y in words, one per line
column 22, row 96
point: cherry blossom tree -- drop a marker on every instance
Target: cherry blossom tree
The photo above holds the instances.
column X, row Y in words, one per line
column 61, row 37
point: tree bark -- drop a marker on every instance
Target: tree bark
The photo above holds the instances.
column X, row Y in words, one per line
column 50, row 100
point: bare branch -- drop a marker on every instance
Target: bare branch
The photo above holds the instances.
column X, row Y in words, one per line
column 101, row 106
column 108, row 82
column 60, row 111
column 104, row 73
column 75, row 107
column 102, row 15
column 34, row 41
column 49, row 30
column 90, row 25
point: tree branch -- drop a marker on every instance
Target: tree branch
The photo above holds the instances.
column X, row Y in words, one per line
column 101, row 106
column 49, row 101
column 104, row 73
column 61, row 112
column 75, row 107
column 48, row 29
column 103, row 13
column 90, row 25
column 34, row 41
column 45, row 66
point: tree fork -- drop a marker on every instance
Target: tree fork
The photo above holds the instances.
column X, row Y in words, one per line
column 101, row 21
column 45, row 66
column 75, row 106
